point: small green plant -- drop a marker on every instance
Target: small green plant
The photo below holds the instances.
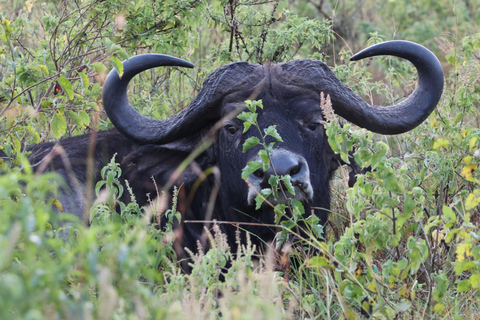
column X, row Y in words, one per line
column 287, row 214
column 249, row 119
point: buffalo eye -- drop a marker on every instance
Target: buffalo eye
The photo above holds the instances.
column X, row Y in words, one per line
column 313, row 126
column 231, row 128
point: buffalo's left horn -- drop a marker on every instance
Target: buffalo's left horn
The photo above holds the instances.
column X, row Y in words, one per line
column 405, row 115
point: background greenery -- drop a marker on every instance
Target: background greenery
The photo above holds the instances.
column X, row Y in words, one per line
column 402, row 243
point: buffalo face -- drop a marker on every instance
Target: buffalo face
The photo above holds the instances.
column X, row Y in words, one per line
column 304, row 154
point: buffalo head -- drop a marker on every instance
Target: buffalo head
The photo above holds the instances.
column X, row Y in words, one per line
column 291, row 97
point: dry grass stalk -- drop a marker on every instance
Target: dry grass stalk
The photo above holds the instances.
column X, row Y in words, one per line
column 327, row 110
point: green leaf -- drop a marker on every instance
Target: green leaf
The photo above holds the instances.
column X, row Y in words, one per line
column 415, row 253
column 243, row 116
column 440, row 143
column 46, row 103
column 314, row 222
column 439, row 308
column 440, row 287
column 476, row 252
column 272, row 131
column 474, row 280
column 85, row 80
column 99, row 68
column 260, row 199
column 450, row 216
column 17, row 146
column 44, row 69
column 85, row 118
column 31, row 130
column 250, row 168
column 116, row 218
column 250, row 143
column 471, row 143
column 279, row 212
column 248, row 119
column 3, row 37
column 395, row 271
column 379, row 155
column 298, row 209
column 66, row 86
column 402, row 264
column 463, row 286
column 252, row 105
column 75, row 117
column 263, row 154
column 318, row 262
column 108, row 43
column 273, row 180
column 280, row 208
column 118, row 66
column 403, row 306
column 287, row 180
column 288, row 224
column 246, row 126
column 344, row 157
column 58, row 125
column 122, row 54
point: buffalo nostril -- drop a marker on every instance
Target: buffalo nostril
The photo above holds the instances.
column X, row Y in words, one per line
column 295, row 170
column 259, row 173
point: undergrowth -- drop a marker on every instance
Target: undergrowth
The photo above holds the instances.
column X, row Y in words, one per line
column 402, row 243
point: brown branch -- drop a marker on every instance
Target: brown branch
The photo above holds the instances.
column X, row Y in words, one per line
column 232, row 25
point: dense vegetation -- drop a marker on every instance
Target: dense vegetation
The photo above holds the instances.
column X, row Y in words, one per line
column 402, row 243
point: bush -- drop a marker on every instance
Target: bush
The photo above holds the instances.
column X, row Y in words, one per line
column 403, row 242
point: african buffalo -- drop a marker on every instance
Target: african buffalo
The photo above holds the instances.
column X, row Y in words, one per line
column 150, row 150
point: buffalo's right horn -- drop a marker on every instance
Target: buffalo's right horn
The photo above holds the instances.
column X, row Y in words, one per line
column 126, row 119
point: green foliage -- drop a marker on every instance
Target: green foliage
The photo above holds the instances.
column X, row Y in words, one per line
column 277, row 183
column 403, row 242
column 118, row 267
column 260, row 33
column 67, row 270
column 415, row 210
column 290, row 213
column 54, row 58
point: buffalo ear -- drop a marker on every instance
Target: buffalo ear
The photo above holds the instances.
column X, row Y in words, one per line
column 150, row 167
column 334, row 161
column 355, row 170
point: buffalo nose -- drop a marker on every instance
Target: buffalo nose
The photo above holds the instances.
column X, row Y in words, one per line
column 282, row 165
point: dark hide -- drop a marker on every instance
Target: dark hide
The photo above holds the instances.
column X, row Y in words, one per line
column 68, row 157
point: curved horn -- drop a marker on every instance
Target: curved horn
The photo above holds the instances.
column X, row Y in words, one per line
column 407, row 114
column 204, row 108
column 126, row 119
